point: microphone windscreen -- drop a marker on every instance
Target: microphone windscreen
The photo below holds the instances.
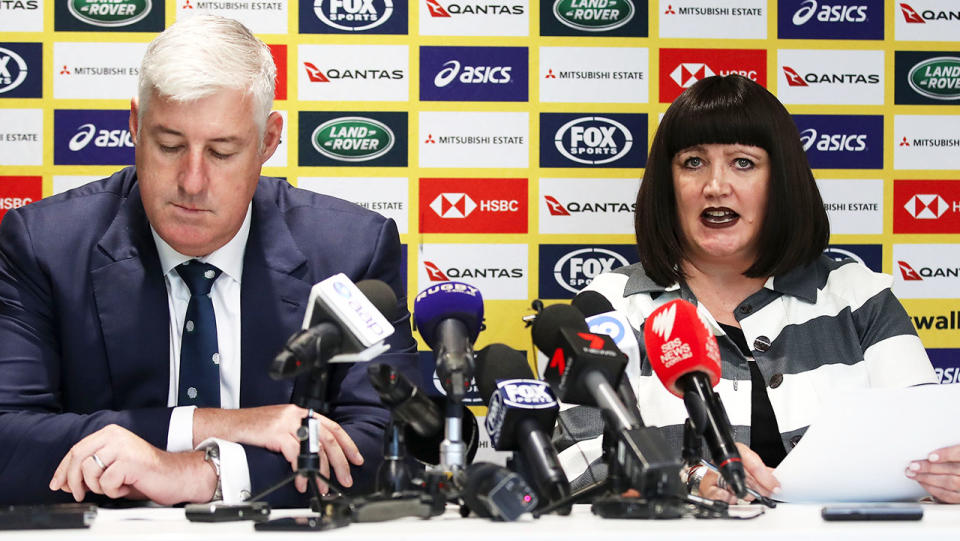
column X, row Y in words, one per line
column 546, row 328
column 679, row 342
column 499, row 362
column 591, row 303
column 449, row 300
column 380, row 295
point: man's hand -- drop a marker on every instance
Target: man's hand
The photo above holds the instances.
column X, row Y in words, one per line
column 939, row 474
column 275, row 428
column 118, row 463
column 759, row 477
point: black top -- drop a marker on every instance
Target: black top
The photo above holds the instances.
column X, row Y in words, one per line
column 764, row 432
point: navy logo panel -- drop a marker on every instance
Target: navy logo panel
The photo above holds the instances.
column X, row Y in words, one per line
column 92, row 137
column 473, row 73
column 21, row 70
column 842, row 141
column 593, row 140
column 927, row 77
column 353, row 139
column 353, row 16
column 830, row 19
column 870, row 255
column 565, row 269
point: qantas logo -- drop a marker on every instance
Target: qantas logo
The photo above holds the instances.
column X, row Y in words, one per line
column 555, row 207
column 314, row 74
column 910, row 14
column 663, row 322
column 434, row 272
column 436, row 10
column 926, row 206
column 793, row 78
column 453, row 205
column 688, row 73
column 911, row 275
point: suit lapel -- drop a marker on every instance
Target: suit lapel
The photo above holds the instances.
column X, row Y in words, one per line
column 273, row 298
column 131, row 300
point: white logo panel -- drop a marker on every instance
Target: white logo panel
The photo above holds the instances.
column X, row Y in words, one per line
column 927, row 20
column 500, row 273
column 62, row 183
column 836, row 77
column 926, row 271
column 279, row 158
column 259, row 17
column 21, row 16
column 21, row 137
column 93, row 71
column 926, row 142
column 474, row 17
column 474, row 139
column 718, row 19
column 353, row 72
column 854, row 206
column 388, row 196
column 594, row 74
column 587, row 205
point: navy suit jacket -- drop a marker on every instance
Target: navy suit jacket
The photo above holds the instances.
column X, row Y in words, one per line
column 84, row 323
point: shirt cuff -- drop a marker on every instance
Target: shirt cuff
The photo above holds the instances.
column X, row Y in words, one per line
column 180, row 431
column 234, row 473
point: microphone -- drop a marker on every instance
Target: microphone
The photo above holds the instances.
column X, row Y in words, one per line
column 685, row 356
column 492, row 491
column 448, row 317
column 344, row 322
column 522, row 412
column 407, row 402
column 603, row 319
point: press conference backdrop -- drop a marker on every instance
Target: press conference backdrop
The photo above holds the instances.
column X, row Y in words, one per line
column 507, row 138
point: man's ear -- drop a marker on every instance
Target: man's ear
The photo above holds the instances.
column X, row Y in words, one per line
column 271, row 136
column 134, row 118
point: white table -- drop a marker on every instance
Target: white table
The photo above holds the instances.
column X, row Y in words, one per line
column 786, row 522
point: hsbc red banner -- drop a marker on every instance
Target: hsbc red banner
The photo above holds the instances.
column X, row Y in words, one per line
column 19, row 191
column 681, row 68
column 279, row 53
column 473, row 205
column 926, row 206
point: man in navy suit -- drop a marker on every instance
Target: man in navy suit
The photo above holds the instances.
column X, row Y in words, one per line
column 94, row 312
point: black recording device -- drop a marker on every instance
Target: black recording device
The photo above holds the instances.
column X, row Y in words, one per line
column 494, row 492
column 45, row 517
column 223, row 512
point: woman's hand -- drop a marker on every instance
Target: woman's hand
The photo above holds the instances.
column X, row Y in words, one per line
column 939, row 474
column 759, row 477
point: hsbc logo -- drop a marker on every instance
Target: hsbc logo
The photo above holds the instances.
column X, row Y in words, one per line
column 16, row 192
column 473, row 205
column 926, row 206
column 682, row 68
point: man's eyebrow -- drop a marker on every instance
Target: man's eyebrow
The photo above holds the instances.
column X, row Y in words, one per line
column 170, row 131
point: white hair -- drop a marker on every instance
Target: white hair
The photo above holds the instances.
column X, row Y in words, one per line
column 203, row 54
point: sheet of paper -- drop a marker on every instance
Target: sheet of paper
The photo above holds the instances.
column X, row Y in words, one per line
column 859, row 447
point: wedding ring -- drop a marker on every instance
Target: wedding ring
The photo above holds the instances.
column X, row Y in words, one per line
column 99, row 462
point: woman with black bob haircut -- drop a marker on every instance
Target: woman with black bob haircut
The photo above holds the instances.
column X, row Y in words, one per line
column 727, row 110
column 729, row 218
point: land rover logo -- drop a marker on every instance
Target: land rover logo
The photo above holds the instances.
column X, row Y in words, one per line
column 352, row 139
column 937, row 78
column 594, row 15
column 112, row 13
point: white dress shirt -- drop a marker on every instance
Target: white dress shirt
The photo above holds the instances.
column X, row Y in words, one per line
column 225, row 294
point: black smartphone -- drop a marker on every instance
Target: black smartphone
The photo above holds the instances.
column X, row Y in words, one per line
column 222, row 512
column 300, row 524
column 872, row 512
column 37, row 517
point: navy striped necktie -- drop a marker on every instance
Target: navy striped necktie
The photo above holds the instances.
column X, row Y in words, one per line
column 199, row 353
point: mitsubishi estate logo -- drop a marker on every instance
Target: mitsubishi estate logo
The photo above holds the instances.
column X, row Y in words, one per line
column 926, row 206
column 453, row 205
